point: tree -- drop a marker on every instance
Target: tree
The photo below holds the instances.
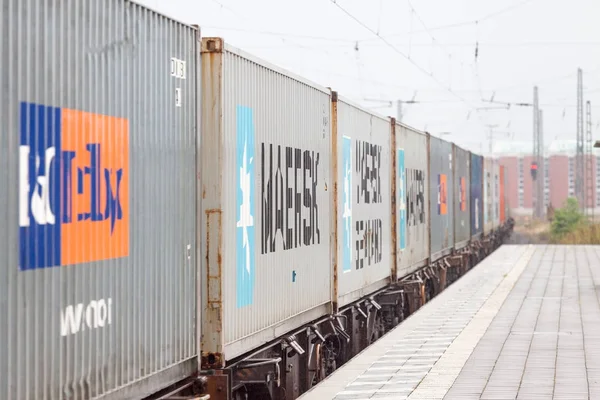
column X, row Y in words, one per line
column 566, row 219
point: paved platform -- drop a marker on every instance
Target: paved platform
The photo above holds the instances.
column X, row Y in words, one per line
column 523, row 324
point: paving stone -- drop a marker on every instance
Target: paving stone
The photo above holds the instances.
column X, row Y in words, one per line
column 524, row 324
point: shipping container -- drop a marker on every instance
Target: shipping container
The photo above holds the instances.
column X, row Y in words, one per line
column 98, row 155
column 462, row 211
column 412, row 199
column 502, row 196
column 266, row 145
column 512, row 168
column 496, row 193
column 442, row 191
column 364, row 201
column 507, row 182
column 476, row 201
column 488, row 193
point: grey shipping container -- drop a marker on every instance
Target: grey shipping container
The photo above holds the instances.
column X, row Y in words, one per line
column 462, row 195
column 496, row 193
column 476, row 187
column 441, row 189
column 97, row 153
column 266, row 144
column 412, row 199
column 506, row 199
column 364, row 201
column 488, row 193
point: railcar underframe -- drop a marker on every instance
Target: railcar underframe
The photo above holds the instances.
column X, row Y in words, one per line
column 289, row 366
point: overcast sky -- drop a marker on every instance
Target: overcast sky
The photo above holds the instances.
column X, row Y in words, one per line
column 521, row 43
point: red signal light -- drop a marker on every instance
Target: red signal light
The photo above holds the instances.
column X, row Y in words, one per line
column 534, row 168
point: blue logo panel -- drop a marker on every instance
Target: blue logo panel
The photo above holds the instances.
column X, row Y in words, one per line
column 347, row 204
column 39, row 186
column 245, row 231
column 401, row 199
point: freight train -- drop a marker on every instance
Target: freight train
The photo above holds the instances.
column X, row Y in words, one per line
column 183, row 218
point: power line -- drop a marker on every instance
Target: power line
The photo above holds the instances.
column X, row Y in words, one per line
column 279, row 34
column 470, row 22
column 424, row 71
column 434, row 43
column 226, row 7
column 504, row 10
column 434, row 40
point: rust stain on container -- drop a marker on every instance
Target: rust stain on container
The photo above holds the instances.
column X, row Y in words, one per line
column 214, row 272
column 334, row 173
column 212, row 341
column 212, row 45
column 212, row 360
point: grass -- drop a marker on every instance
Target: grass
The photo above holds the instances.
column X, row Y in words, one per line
column 582, row 234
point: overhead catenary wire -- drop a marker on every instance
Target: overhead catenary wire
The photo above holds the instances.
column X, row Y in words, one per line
column 469, row 22
column 378, row 33
column 279, row 35
column 345, row 40
column 357, row 60
column 397, row 51
column 434, row 40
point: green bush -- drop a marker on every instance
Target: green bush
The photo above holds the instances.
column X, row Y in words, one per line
column 566, row 219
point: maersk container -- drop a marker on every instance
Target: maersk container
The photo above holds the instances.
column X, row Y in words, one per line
column 364, row 201
column 442, row 191
column 476, row 186
column 506, row 199
column 412, row 199
column 266, row 198
column 496, row 193
column 98, row 154
column 462, row 211
column 488, row 193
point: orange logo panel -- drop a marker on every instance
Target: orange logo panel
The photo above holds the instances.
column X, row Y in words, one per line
column 442, row 195
column 95, row 195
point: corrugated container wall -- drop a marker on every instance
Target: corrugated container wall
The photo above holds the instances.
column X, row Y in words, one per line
column 412, row 192
column 266, row 201
column 502, row 197
column 364, row 209
column 462, row 210
column 506, row 195
column 512, row 179
column 98, row 150
column 496, row 193
column 441, row 189
column 476, row 201
column 488, row 192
